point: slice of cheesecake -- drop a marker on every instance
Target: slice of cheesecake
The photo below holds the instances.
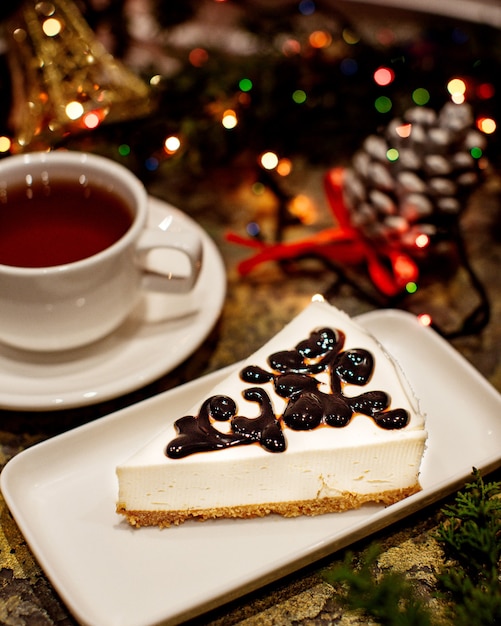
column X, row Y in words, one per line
column 319, row 420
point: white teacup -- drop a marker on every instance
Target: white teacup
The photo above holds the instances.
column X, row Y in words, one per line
column 73, row 239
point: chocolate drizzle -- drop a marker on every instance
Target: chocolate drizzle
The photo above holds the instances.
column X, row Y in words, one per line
column 293, row 377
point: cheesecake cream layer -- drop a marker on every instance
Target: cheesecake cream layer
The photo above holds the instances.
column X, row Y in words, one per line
column 324, row 469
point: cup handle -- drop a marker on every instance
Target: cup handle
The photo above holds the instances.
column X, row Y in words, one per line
column 185, row 242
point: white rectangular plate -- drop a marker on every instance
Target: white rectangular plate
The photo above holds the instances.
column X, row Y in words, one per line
column 62, row 495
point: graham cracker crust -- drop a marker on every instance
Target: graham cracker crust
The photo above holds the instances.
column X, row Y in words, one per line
column 321, row 506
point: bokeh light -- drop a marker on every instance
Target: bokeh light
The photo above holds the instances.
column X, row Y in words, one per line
column 384, row 76
column 386, row 36
column 320, row 39
column 151, row 164
column 52, row 27
column 291, row 47
column 244, row 98
column 487, row 125
column 172, row 144
column 269, row 160
column 318, row 297
column 284, row 167
column 424, row 319
column 457, row 88
column 350, row 37
column 299, row 96
column 486, row 91
column 245, row 84
column 404, row 130
column 253, row 229
column 348, row 67
column 124, row 150
column 258, row 189
column 74, row 110
column 404, row 268
column 92, row 120
column 383, row 104
column 302, row 207
column 306, row 7
column 422, row 241
column 198, row 57
column 420, row 96
column 5, row 144
column 392, row 154
column 229, row 120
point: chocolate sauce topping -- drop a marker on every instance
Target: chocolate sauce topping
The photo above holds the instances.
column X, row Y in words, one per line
column 293, row 378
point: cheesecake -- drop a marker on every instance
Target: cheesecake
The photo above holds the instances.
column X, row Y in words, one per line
column 319, row 420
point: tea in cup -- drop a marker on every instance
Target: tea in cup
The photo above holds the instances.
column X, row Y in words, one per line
column 73, row 240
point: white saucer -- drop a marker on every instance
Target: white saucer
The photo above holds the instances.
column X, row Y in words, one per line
column 158, row 336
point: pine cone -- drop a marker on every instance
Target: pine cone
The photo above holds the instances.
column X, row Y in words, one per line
column 415, row 177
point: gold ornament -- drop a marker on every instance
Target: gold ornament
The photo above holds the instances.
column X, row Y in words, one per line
column 64, row 80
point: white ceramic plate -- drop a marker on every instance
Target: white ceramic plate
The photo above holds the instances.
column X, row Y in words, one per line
column 62, row 494
column 162, row 331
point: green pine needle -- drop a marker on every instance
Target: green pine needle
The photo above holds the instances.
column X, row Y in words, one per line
column 470, row 536
column 472, row 532
column 389, row 599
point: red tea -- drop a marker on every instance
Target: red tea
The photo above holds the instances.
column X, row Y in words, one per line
column 59, row 224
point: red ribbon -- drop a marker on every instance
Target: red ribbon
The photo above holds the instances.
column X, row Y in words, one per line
column 390, row 269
